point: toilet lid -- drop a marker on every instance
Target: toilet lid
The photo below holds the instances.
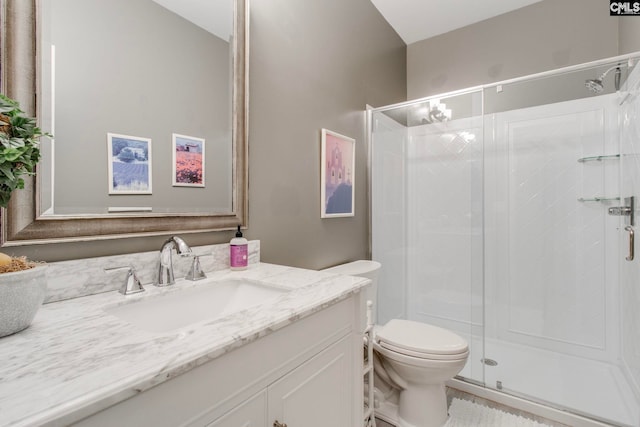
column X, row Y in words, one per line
column 417, row 338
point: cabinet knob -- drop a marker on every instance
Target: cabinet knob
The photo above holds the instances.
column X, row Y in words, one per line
column 276, row 423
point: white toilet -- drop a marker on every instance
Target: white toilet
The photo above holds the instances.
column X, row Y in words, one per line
column 416, row 360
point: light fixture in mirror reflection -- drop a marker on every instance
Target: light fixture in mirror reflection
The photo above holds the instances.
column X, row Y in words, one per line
column 435, row 112
column 140, row 69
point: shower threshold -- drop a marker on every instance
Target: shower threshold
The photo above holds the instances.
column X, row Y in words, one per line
column 592, row 390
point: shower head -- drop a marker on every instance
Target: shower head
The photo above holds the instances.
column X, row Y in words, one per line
column 594, row 85
column 597, row 85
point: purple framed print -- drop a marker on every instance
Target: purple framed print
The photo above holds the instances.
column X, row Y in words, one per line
column 337, row 175
column 188, row 161
column 129, row 164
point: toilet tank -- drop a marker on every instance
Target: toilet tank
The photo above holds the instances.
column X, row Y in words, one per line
column 361, row 268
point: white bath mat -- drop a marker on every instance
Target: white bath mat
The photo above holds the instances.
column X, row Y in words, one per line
column 463, row 413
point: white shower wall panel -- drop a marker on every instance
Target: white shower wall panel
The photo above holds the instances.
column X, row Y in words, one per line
column 552, row 259
column 445, row 224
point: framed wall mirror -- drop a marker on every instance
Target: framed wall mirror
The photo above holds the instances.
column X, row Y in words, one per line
column 147, row 101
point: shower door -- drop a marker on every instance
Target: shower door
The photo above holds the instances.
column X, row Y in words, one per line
column 552, row 251
column 427, row 216
column 630, row 269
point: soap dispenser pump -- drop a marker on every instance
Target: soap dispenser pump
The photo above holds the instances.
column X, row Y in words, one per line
column 238, row 252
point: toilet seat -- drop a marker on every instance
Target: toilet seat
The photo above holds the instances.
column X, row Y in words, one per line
column 423, row 355
column 421, row 340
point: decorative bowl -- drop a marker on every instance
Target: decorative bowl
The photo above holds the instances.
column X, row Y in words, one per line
column 21, row 295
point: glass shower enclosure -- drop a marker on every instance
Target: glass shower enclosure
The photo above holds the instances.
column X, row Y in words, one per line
column 503, row 213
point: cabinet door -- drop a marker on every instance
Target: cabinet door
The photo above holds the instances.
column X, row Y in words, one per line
column 318, row 393
column 252, row 413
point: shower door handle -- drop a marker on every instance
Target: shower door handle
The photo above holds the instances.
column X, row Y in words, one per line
column 631, row 242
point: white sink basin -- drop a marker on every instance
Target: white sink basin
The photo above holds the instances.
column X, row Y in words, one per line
column 182, row 307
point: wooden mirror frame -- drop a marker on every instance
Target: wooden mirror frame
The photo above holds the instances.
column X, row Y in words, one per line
column 21, row 222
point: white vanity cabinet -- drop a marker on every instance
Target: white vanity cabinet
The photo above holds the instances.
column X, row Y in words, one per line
column 315, row 394
column 252, row 413
column 306, row 374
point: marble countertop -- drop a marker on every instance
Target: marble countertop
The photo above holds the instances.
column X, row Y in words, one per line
column 75, row 359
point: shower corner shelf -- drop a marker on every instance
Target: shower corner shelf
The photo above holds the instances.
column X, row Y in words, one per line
column 599, row 158
column 598, row 199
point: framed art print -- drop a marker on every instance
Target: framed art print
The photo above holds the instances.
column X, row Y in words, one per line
column 188, row 161
column 337, row 175
column 129, row 164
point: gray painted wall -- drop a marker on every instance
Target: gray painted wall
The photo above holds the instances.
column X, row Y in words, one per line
column 313, row 64
column 544, row 36
column 629, row 34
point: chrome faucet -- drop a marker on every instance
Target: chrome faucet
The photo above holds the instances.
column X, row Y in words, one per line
column 165, row 272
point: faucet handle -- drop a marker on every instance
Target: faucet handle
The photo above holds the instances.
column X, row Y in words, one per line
column 195, row 272
column 131, row 284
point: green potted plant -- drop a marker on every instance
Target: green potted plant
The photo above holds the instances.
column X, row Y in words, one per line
column 23, row 283
column 19, row 147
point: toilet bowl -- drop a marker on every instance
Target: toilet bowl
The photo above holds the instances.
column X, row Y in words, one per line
column 419, row 358
column 415, row 361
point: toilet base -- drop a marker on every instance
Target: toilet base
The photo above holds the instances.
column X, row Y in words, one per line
column 388, row 412
column 423, row 405
column 431, row 410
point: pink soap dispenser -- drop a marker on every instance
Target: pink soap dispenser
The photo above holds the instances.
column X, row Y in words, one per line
column 239, row 252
